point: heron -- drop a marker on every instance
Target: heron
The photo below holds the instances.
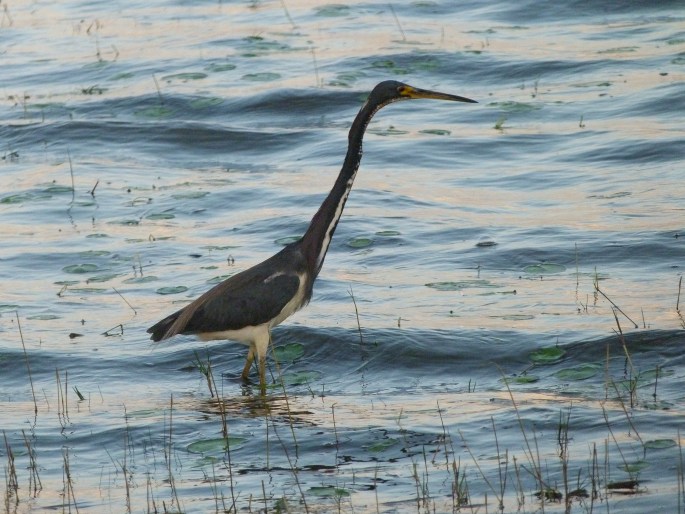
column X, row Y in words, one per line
column 246, row 306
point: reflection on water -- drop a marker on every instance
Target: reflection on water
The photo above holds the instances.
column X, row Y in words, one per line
column 197, row 136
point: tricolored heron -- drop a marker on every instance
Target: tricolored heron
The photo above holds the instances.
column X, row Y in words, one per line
column 246, row 306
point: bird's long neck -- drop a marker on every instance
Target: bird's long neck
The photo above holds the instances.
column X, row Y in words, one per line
column 318, row 237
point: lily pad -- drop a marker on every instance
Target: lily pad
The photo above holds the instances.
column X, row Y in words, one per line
column 218, row 445
column 261, row 77
column 160, row 216
column 189, row 195
column 582, row 372
column 521, row 379
column 388, row 233
column 43, row 317
column 634, row 467
column 289, row 352
column 172, row 290
column 217, row 68
column 660, row 444
column 301, row 377
column 435, row 132
column 103, row 278
column 546, row 268
column 332, row 10
column 547, row 355
column 141, row 280
column 80, row 268
column 383, row 445
column 185, row 76
column 359, row 242
column 461, row 285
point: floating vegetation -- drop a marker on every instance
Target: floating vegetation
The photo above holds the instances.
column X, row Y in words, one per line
column 547, row 355
column 261, row 77
column 160, row 216
column 660, row 444
column 289, row 352
column 359, row 242
column 141, row 280
column 216, row 446
column 511, row 106
column 25, row 197
column 461, row 285
column 382, row 445
column 582, row 372
column 172, row 290
column 80, row 268
column 155, row 112
column 206, row 102
column 435, row 132
column 388, row 233
column 300, row 378
column 521, row 379
column 332, row 10
column 185, row 77
column 218, row 68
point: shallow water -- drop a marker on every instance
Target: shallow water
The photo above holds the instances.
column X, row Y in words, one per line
column 200, row 136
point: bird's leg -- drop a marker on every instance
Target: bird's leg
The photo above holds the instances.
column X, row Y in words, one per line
column 248, row 363
column 261, row 346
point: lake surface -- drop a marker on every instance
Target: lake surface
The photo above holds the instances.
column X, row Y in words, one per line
column 499, row 322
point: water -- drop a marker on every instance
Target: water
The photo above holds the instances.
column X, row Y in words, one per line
column 199, row 135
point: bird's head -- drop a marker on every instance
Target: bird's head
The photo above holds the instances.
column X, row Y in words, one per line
column 393, row 91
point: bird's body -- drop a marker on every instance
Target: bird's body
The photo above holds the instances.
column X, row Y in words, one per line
column 246, row 306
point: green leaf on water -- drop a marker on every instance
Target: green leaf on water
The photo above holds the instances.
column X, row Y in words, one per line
column 546, row 268
column 185, row 77
column 59, row 189
column 388, row 233
column 332, row 10
column 261, row 77
column 461, row 285
column 435, row 132
column 300, row 378
column 155, row 112
column 89, row 254
column 359, row 242
column 383, row 445
column 660, row 444
column 521, row 379
column 328, row 491
column 80, row 268
column 160, row 216
column 547, row 355
column 103, row 278
column 205, row 103
column 218, row 445
column 582, row 372
column 634, row 467
column 288, row 352
column 141, row 280
column 217, row 68
column 172, row 290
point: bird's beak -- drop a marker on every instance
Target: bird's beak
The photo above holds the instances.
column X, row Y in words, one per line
column 415, row 92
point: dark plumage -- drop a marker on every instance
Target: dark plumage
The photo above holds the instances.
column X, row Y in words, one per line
column 246, row 306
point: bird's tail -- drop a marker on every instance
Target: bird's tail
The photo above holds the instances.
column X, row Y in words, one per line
column 160, row 330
